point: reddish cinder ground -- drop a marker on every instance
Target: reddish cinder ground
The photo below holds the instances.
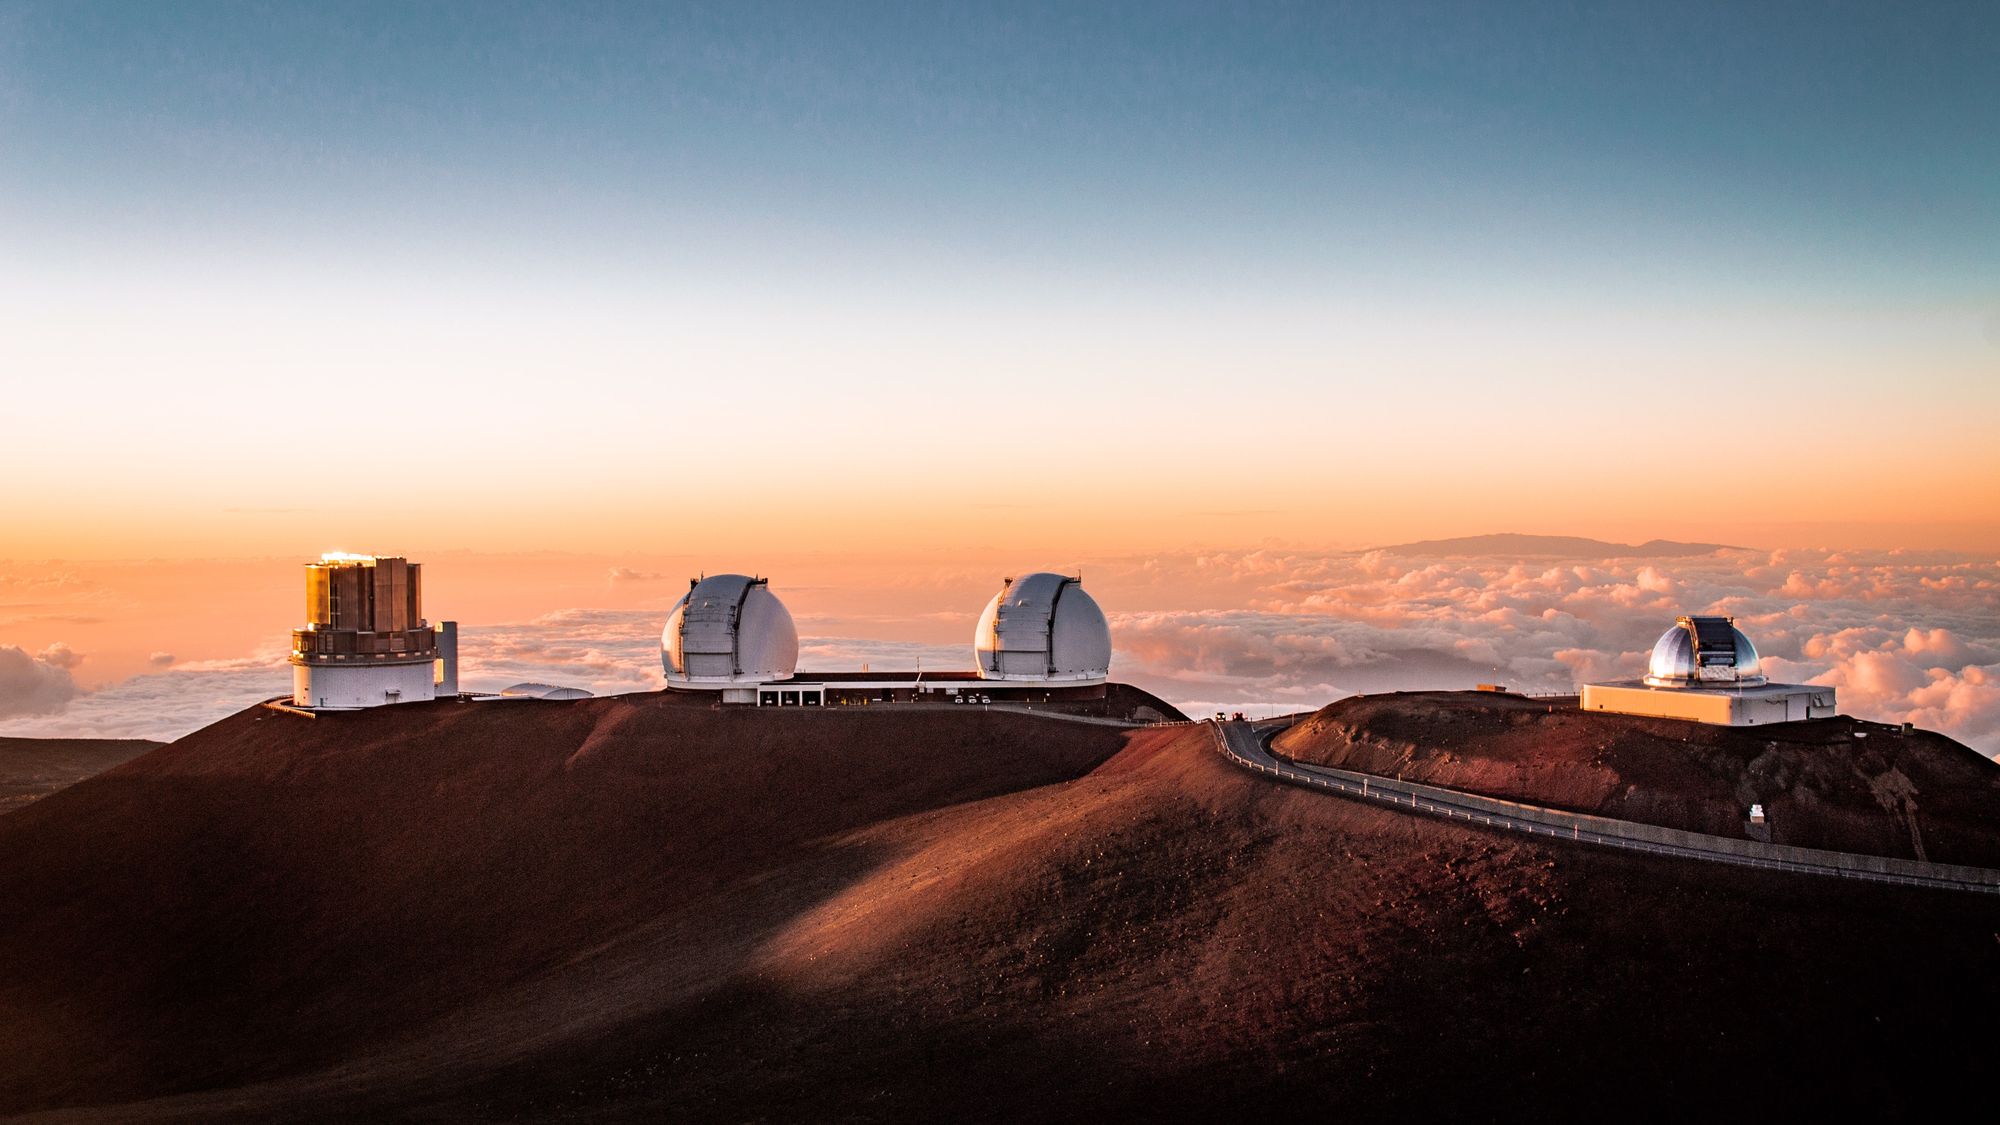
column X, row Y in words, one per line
column 626, row 909
column 1829, row 783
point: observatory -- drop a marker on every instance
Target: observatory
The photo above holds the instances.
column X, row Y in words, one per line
column 1705, row 669
column 1042, row 640
column 365, row 642
column 729, row 633
column 1042, row 628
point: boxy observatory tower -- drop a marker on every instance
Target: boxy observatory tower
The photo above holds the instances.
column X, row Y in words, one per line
column 365, row 642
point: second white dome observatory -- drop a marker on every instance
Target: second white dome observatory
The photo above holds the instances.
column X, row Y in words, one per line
column 1043, row 628
column 729, row 630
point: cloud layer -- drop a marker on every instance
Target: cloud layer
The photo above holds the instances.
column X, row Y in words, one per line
column 1905, row 637
column 605, row 652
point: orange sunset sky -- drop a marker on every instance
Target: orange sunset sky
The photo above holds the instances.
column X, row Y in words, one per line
column 569, row 311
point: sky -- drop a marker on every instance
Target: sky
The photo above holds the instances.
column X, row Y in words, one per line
column 869, row 294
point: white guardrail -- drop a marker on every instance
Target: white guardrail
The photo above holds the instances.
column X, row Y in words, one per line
column 1537, row 820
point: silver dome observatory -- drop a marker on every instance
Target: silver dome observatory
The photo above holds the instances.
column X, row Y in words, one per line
column 729, row 630
column 1043, row 628
column 1705, row 670
column 1704, row 652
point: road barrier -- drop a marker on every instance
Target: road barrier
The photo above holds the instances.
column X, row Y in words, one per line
column 1539, row 820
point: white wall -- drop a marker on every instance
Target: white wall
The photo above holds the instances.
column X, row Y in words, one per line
column 361, row 685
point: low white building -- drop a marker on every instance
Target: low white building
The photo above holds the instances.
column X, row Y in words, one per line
column 1705, row 670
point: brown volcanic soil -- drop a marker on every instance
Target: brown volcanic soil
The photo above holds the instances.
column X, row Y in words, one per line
column 627, row 909
column 1829, row 783
column 33, row 768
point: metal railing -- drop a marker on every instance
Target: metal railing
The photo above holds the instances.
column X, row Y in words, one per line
column 1605, row 831
column 284, row 704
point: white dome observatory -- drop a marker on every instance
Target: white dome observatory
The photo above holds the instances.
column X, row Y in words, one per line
column 1043, row 628
column 729, row 630
column 1704, row 651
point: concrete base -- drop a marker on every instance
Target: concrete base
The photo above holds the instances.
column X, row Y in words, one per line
column 372, row 683
column 1720, row 706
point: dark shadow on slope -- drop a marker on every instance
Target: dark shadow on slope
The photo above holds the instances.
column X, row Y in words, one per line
column 270, row 896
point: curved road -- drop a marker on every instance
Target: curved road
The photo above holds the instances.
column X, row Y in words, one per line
column 1242, row 743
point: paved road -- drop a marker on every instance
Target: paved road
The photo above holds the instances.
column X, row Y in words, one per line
column 1245, row 744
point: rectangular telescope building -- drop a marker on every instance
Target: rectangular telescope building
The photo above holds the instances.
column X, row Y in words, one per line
column 365, row 642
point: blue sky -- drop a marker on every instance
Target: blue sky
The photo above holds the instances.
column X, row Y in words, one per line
column 1440, row 227
column 1837, row 147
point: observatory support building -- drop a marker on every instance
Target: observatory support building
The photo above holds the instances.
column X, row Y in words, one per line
column 1705, row 670
column 365, row 642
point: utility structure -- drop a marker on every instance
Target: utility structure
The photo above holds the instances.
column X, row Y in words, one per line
column 365, row 642
column 1706, row 670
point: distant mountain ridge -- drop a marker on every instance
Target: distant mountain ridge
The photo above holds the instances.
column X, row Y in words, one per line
column 1554, row 546
column 33, row 768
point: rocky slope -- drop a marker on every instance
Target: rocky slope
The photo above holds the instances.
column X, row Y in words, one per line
column 1830, row 783
column 621, row 909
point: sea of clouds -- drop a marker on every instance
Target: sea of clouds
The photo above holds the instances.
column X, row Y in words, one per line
column 607, row 652
column 1904, row 636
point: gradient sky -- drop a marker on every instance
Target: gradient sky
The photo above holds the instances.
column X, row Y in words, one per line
column 570, row 301
column 275, row 278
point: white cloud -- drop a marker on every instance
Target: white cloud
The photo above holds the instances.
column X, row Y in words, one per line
column 60, row 655
column 1906, row 637
column 35, row 685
